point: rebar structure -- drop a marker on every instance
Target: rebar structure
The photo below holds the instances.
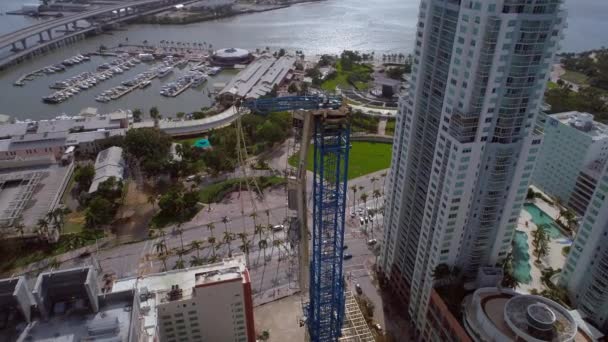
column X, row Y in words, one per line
column 326, row 292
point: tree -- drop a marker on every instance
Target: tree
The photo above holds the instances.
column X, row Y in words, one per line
column 540, row 242
column 155, row 115
column 508, row 279
column 441, row 273
column 43, row 228
column 363, row 197
column 19, row 226
column 354, row 189
column 225, row 221
column 180, row 115
column 263, row 244
column 211, row 240
column 373, row 180
column 211, row 227
column 530, row 195
column 161, row 247
column 150, row 147
column 259, row 229
column 293, row 88
column 196, row 244
column 99, row 212
column 84, row 176
column 137, row 114
column 228, row 240
column 245, row 246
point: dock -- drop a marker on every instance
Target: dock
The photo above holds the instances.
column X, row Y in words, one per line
column 182, row 89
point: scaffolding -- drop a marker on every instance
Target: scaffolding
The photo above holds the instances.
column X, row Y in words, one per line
column 355, row 328
column 326, row 293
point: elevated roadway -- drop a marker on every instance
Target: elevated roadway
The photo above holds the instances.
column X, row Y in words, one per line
column 40, row 28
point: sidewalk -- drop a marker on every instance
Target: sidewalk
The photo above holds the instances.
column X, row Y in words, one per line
column 274, row 294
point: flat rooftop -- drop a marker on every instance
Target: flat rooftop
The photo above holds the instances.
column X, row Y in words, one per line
column 30, row 192
column 111, row 323
column 155, row 287
column 584, row 122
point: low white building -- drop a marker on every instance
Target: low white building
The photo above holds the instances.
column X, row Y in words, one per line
column 206, row 303
column 109, row 163
column 258, row 78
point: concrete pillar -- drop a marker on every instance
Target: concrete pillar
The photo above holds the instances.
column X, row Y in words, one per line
column 14, row 48
column 24, row 44
column 67, row 27
column 75, row 26
column 41, row 37
column 50, row 33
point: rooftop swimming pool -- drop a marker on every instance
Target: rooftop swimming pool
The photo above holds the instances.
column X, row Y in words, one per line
column 540, row 217
column 521, row 258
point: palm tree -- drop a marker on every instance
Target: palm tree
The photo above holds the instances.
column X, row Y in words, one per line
column 19, row 227
column 164, row 258
column 211, row 240
column 196, row 244
column 267, row 212
column 211, row 227
column 254, row 216
column 161, row 247
column 179, row 264
column 228, row 240
column 180, row 231
column 245, row 247
column 225, row 221
column 383, row 175
column 259, row 229
column 263, row 244
column 196, row 261
column 540, row 241
column 152, row 199
column 354, row 189
column 278, row 243
column 43, row 227
column 376, row 196
column 363, row 197
column 373, row 180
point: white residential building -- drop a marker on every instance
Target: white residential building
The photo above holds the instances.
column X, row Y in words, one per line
column 465, row 143
column 574, row 149
column 585, row 273
column 207, row 303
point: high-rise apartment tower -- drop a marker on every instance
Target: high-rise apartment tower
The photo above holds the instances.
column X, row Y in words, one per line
column 466, row 140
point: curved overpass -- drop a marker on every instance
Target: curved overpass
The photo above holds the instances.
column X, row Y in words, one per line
column 23, row 34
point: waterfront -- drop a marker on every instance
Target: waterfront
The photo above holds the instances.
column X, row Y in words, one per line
column 384, row 26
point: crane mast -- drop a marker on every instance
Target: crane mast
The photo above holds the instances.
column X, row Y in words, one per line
column 325, row 121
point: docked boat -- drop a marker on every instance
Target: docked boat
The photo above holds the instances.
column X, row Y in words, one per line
column 214, row 71
column 162, row 72
column 198, row 80
column 144, row 84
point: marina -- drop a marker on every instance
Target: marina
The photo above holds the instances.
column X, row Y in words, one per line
column 51, row 69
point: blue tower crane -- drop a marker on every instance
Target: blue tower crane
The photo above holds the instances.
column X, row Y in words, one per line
column 327, row 122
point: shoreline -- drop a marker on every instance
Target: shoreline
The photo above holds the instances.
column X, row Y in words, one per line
column 192, row 17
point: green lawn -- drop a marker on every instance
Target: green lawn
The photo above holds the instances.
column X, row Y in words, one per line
column 551, row 85
column 341, row 78
column 575, row 77
column 364, row 158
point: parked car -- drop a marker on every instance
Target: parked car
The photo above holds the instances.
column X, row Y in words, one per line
column 278, row 228
column 358, row 289
column 372, row 242
column 344, row 247
column 348, row 256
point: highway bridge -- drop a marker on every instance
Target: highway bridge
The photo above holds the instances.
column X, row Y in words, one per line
column 23, row 43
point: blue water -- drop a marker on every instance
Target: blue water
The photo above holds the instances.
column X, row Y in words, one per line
column 521, row 258
column 540, row 217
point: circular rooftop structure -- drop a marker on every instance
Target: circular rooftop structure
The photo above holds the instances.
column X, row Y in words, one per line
column 231, row 56
column 536, row 318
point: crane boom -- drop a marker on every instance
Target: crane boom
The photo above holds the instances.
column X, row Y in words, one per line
column 326, row 121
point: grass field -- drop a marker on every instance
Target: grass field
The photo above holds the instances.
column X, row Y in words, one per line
column 551, row 85
column 364, row 158
column 341, row 78
column 575, row 77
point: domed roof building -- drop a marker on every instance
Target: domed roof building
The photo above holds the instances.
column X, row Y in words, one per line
column 230, row 56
